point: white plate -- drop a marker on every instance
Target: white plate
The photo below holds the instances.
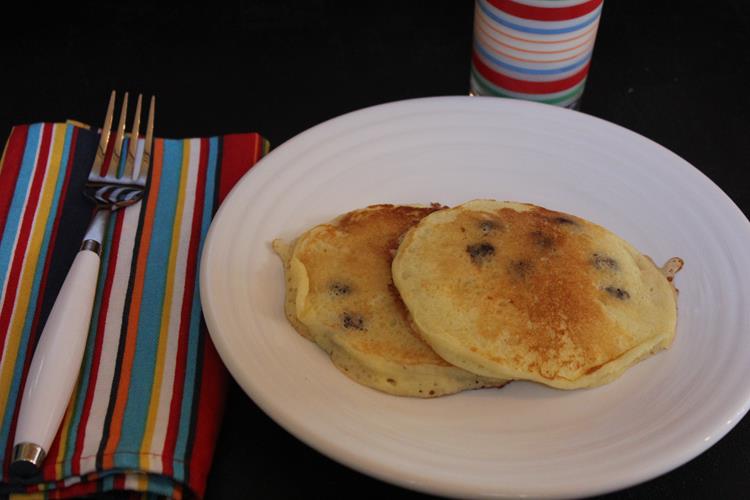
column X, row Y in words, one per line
column 524, row 439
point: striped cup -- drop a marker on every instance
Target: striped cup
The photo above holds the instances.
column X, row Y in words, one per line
column 538, row 50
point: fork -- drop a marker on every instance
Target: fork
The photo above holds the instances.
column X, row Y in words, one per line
column 57, row 359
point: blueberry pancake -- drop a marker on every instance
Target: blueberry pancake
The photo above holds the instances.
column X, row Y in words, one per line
column 341, row 296
column 516, row 291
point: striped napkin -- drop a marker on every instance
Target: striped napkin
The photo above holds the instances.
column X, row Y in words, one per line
column 149, row 401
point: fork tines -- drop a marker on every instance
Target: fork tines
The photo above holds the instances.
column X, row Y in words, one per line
column 108, row 186
column 98, row 169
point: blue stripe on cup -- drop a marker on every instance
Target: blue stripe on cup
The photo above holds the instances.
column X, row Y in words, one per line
column 486, row 9
column 529, row 71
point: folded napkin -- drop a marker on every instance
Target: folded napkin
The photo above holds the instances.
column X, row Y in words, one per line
column 149, row 401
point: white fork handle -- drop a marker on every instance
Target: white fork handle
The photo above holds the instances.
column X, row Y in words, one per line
column 57, row 360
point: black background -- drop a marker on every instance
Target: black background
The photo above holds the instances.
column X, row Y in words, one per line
column 676, row 72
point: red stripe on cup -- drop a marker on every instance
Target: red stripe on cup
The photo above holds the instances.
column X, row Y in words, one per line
column 527, row 87
column 545, row 13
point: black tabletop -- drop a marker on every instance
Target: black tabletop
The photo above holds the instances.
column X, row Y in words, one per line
column 675, row 72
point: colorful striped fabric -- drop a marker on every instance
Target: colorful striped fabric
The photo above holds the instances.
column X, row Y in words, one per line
column 539, row 50
column 148, row 404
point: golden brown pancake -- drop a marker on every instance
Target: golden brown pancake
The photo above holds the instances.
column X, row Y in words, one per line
column 517, row 291
column 341, row 296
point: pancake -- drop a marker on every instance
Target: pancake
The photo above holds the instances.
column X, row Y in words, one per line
column 516, row 291
column 340, row 295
